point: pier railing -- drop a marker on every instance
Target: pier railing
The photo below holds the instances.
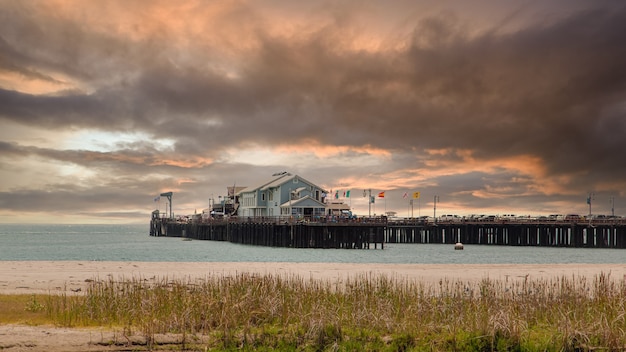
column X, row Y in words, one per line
column 381, row 220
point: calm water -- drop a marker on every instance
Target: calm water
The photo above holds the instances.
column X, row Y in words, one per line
column 132, row 243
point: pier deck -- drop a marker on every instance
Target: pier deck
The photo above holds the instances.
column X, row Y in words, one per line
column 365, row 233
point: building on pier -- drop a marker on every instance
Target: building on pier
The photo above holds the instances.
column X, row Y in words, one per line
column 284, row 195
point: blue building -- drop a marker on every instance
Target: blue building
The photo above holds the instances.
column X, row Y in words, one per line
column 284, row 195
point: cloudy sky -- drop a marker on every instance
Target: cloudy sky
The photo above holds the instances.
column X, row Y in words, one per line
column 494, row 106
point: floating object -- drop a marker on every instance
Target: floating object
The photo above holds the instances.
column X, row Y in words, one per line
column 458, row 246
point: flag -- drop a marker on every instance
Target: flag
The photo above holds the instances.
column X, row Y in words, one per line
column 405, row 195
column 337, row 195
column 588, row 200
column 157, row 199
column 416, row 195
column 372, row 200
column 381, row 194
column 348, row 194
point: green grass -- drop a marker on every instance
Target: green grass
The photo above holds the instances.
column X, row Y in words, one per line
column 248, row 312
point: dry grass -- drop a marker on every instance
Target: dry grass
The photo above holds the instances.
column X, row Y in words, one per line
column 367, row 312
column 23, row 309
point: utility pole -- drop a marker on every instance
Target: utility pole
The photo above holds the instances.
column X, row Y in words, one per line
column 589, row 202
column 612, row 206
column 435, row 200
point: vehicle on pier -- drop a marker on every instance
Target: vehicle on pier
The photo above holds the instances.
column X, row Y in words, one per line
column 450, row 218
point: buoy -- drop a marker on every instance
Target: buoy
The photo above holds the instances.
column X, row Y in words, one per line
column 458, row 246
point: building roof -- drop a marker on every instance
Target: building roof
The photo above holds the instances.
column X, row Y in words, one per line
column 263, row 185
column 305, row 201
column 277, row 181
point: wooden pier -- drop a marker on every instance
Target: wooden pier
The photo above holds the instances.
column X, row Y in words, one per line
column 365, row 233
column 599, row 234
column 278, row 233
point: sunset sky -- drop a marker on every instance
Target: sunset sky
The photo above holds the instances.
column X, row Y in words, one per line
column 497, row 107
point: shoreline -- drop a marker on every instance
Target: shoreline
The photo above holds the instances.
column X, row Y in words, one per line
column 58, row 277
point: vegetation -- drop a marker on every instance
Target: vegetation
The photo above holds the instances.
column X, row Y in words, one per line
column 248, row 312
column 24, row 309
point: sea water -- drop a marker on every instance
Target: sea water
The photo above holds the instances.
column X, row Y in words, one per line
column 132, row 243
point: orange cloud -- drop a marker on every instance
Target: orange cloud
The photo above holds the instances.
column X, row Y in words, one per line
column 327, row 151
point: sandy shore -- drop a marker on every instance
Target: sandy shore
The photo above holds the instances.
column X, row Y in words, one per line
column 72, row 277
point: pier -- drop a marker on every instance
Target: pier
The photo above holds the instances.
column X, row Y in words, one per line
column 278, row 232
column 366, row 233
column 579, row 234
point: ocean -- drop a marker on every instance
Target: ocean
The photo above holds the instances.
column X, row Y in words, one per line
column 132, row 243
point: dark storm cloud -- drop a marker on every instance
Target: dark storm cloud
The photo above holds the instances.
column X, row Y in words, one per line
column 552, row 88
column 540, row 90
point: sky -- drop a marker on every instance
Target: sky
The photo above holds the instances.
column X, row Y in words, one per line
column 494, row 107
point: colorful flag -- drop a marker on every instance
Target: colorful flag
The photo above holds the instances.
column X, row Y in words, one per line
column 337, row 195
column 381, row 194
column 416, row 195
column 348, row 194
column 405, row 195
column 157, row 199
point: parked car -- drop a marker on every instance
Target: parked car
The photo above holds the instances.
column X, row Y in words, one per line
column 475, row 217
column 450, row 218
column 507, row 217
column 573, row 217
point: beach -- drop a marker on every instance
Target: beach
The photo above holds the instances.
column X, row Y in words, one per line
column 57, row 277
column 73, row 277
